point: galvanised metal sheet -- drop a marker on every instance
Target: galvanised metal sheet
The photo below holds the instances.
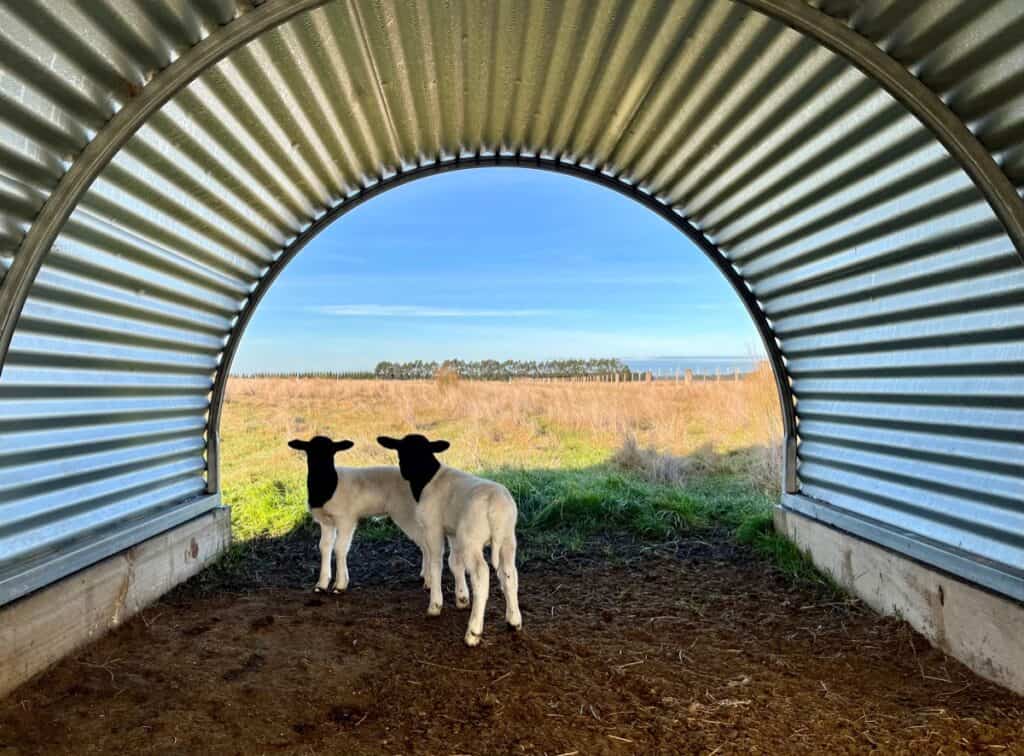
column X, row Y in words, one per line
column 179, row 153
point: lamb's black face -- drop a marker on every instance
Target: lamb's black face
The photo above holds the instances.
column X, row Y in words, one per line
column 320, row 447
column 322, row 478
column 416, row 459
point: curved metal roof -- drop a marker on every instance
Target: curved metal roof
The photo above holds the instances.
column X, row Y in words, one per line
column 853, row 168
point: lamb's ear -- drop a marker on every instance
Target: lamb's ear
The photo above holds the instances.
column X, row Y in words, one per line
column 343, row 445
column 296, row 443
column 388, row 443
column 438, row 446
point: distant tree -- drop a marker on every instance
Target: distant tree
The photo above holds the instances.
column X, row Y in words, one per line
column 495, row 370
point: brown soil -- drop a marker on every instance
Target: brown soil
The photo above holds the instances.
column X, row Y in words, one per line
column 692, row 647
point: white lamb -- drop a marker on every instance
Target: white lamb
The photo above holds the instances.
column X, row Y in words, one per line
column 472, row 512
column 339, row 497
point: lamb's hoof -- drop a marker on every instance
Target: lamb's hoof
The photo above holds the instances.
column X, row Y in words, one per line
column 462, row 602
column 515, row 628
column 472, row 639
column 434, row 610
column 338, row 589
column 318, row 589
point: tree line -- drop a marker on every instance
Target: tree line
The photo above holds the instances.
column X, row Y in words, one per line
column 498, row 370
column 335, row 374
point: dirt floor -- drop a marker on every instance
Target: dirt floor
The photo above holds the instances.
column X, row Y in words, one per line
column 693, row 647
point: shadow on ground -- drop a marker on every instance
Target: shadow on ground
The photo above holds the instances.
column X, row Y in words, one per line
column 638, row 497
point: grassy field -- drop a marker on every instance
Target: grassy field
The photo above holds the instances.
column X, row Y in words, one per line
column 653, row 461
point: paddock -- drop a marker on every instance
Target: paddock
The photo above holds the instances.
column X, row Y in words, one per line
column 854, row 171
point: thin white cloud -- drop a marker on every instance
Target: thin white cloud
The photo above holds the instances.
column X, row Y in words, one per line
column 418, row 311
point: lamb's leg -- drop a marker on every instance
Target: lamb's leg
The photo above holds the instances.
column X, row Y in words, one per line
column 459, row 571
column 327, row 535
column 509, row 577
column 480, row 574
column 424, row 567
column 341, row 546
column 435, row 556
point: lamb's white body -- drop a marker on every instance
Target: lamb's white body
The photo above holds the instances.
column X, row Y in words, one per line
column 472, row 512
column 363, row 492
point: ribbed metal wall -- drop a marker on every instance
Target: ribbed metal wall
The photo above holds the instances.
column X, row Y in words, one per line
column 893, row 289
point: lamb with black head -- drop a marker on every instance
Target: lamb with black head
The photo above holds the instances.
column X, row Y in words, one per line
column 339, row 497
column 472, row 512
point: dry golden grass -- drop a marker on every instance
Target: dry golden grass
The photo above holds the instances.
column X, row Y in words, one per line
column 521, row 424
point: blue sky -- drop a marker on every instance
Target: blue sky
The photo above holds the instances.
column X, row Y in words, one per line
column 495, row 263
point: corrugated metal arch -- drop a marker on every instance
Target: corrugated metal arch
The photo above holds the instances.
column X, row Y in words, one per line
column 863, row 250
column 99, row 151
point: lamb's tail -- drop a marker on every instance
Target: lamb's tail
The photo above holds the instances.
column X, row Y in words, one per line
column 502, row 515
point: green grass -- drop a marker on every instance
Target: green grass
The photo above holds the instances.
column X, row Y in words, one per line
column 564, row 508
column 270, row 507
column 561, row 510
column 599, row 501
column 758, row 532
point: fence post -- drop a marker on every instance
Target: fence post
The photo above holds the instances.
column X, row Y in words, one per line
column 689, row 375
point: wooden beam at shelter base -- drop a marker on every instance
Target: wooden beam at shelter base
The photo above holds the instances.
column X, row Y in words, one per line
column 40, row 629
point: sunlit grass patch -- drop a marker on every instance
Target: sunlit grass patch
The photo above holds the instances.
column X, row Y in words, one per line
column 268, row 507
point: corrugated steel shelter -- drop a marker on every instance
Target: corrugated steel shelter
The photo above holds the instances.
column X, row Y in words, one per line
column 853, row 168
